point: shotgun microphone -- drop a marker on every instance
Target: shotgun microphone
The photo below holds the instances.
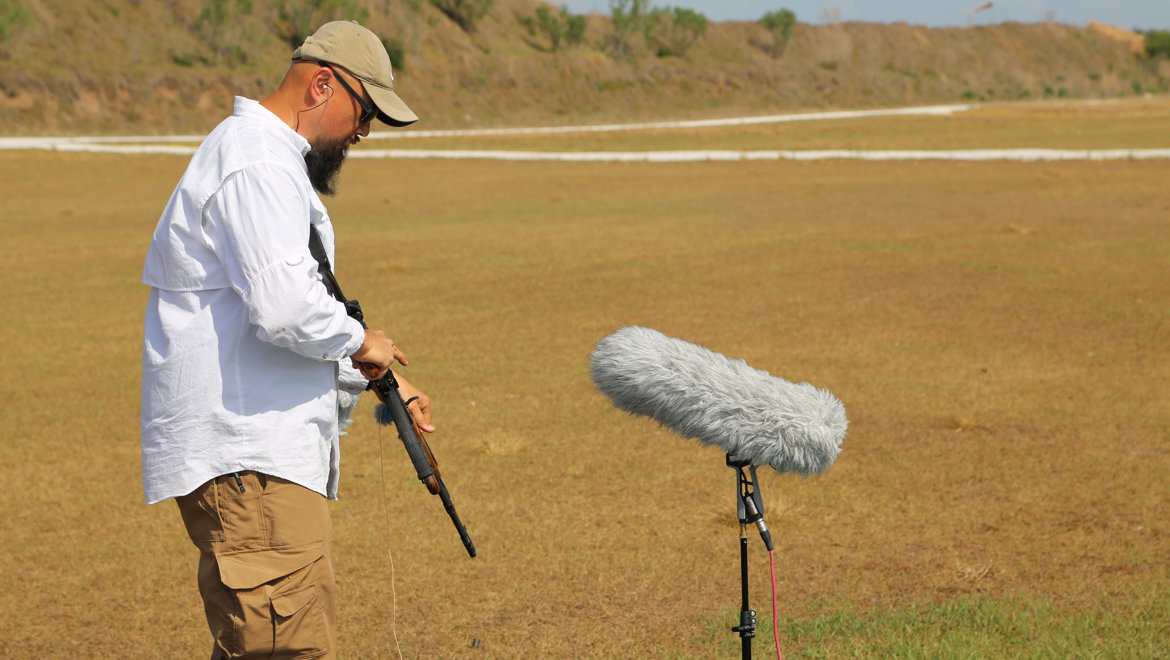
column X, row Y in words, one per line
column 703, row 395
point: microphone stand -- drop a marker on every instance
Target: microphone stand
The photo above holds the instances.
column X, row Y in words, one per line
column 749, row 509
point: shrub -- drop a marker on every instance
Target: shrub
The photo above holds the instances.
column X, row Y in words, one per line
column 556, row 27
column 1157, row 43
column 300, row 18
column 11, row 15
column 223, row 26
column 465, row 13
column 780, row 23
column 630, row 18
column 396, row 49
column 680, row 29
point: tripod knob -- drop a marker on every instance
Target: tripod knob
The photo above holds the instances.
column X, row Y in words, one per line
column 747, row 624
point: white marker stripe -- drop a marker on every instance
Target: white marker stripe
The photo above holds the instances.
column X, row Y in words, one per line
column 936, row 110
column 186, row 144
column 1022, row 155
column 59, row 143
column 103, row 145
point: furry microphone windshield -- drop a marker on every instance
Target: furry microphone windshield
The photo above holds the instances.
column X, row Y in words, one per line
column 703, row 395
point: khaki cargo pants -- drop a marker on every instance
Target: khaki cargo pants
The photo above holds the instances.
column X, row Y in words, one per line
column 264, row 568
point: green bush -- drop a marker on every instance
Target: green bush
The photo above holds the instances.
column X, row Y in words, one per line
column 12, row 14
column 556, row 27
column 465, row 13
column 396, row 49
column 300, row 18
column 223, row 25
column 679, row 29
column 630, row 18
column 780, row 23
column 1157, row 43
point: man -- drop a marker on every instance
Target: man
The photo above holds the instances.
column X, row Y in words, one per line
column 245, row 350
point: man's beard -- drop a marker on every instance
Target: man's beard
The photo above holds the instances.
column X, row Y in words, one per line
column 324, row 162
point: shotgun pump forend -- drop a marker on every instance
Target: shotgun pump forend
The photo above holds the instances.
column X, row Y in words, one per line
column 393, row 410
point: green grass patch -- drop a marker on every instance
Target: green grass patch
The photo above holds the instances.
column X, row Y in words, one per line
column 970, row 627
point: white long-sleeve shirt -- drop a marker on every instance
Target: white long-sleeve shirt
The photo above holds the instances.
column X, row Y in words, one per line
column 241, row 339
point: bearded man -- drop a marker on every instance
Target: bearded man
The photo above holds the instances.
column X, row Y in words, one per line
column 245, row 351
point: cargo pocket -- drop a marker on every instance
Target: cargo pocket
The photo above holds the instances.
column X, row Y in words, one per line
column 284, row 618
column 282, row 626
column 299, row 624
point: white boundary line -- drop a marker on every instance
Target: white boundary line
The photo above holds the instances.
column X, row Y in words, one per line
column 185, row 145
column 1022, row 155
column 67, row 143
column 711, row 155
column 932, row 110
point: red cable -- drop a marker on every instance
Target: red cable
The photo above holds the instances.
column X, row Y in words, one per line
column 775, row 624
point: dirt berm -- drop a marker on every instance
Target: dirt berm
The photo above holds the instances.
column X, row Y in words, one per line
column 133, row 67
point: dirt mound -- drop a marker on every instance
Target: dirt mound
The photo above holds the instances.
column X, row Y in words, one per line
column 161, row 69
column 1134, row 40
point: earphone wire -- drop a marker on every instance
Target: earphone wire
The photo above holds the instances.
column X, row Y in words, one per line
column 298, row 122
column 389, row 551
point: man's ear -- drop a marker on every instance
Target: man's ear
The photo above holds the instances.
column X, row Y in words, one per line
column 320, row 86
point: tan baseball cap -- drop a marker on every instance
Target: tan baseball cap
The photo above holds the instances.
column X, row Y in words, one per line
column 361, row 53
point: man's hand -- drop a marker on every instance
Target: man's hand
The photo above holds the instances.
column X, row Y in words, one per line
column 419, row 404
column 376, row 355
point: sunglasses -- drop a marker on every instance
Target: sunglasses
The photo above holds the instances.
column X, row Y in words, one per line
column 369, row 111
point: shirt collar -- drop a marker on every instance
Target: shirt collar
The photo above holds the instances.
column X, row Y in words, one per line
column 245, row 107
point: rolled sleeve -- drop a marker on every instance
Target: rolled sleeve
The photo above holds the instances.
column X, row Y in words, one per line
column 292, row 309
column 261, row 218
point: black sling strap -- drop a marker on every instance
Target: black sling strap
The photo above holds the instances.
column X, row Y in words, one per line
column 317, row 249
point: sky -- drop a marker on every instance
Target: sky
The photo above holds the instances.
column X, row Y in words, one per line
column 1129, row 14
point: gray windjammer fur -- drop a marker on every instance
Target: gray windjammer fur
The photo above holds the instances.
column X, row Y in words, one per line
column 703, row 395
column 346, row 403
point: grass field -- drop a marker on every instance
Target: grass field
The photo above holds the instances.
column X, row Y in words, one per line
column 998, row 333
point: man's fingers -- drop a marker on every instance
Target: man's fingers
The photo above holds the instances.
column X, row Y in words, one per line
column 377, row 348
column 420, row 412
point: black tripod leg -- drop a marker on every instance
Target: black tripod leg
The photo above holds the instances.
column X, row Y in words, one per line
column 747, row 616
column 748, row 513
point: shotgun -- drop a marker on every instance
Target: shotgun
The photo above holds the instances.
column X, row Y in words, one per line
column 386, row 389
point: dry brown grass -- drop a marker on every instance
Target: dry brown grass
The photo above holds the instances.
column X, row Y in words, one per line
column 1006, row 390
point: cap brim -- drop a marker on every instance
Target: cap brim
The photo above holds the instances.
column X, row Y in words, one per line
column 392, row 111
